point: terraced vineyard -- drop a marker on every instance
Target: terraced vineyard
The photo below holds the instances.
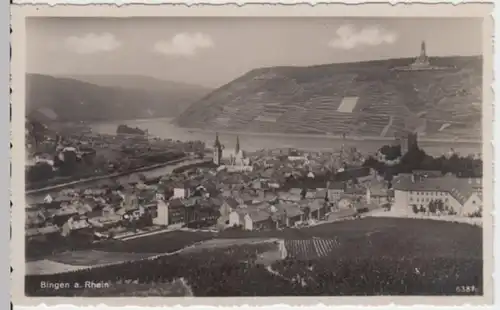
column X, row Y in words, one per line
column 365, row 99
column 310, row 248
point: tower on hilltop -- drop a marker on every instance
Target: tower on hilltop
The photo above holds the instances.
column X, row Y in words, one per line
column 422, row 60
column 217, row 150
column 423, row 52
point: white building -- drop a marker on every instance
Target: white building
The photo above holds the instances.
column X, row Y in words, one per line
column 464, row 196
column 162, row 214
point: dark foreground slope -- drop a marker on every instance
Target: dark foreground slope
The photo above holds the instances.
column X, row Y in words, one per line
column 97, row 98
column 372, row 256
column 306, row 100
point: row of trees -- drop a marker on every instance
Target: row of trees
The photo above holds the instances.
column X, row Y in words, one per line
column 417, row 159
column 433, row 207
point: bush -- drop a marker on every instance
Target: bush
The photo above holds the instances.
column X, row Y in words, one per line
column 477, row 213
column 39, row 172
column 432, row 206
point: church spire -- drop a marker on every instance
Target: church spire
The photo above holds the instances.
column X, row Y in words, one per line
column 237, row 148
column 217, row 142
column 217, row 150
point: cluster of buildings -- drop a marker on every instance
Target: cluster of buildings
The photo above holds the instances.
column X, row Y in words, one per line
column 281, row 189
column 101, row 154
column 269, row 189
column 102, row 211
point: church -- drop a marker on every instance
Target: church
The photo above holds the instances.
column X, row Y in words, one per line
column 237, row 160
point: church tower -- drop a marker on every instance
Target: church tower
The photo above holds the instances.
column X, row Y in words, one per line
column 217, row 150
column 237, row 148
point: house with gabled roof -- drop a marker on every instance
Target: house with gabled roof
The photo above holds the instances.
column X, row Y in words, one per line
column 458, row 194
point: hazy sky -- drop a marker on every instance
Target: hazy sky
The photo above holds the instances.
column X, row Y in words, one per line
column 213, row 51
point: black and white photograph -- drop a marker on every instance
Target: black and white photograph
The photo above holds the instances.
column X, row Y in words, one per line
column 211, row 156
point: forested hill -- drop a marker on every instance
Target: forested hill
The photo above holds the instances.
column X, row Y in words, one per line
column 97, row 98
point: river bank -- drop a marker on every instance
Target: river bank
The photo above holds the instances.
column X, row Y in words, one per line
column 252, row 141
column 330, row 136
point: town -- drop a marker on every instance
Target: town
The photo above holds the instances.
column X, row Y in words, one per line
column 261, row 190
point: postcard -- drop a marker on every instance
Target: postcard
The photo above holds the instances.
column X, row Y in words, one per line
column 258, row 154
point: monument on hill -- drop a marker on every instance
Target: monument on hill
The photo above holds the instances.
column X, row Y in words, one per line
column 422, row 61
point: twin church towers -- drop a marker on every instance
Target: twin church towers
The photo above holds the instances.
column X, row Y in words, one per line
column 237, row 158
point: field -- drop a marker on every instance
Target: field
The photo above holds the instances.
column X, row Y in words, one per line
column 52, row 246
column 372, row 256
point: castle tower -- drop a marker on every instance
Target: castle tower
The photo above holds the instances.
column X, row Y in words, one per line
column 412, row 140
column 407, row 140
column 217, row 150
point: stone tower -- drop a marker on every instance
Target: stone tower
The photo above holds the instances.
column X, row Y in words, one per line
column 217, row 150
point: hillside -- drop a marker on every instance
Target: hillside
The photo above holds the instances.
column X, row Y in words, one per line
column 141, row 82
column 108, row 98
column 365, row 99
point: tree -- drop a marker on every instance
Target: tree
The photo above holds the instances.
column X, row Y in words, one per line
column 69, row 163
column 440, row 205
column 391, row 152
column 307, row 212
column 412, row 160
column 432, row 206
column 40, row 171
column 415, row 209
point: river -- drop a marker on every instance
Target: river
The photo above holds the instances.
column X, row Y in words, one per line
column 164, row 128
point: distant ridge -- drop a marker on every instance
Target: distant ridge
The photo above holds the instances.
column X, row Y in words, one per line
column 136, row 82
column 363, row 98
column 98, row 98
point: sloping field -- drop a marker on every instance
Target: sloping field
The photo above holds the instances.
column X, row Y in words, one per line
column 48, row 267
column 371, row 256
column 319, row 99
column 91, row 258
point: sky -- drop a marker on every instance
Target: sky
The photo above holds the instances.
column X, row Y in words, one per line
column 212, row 51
